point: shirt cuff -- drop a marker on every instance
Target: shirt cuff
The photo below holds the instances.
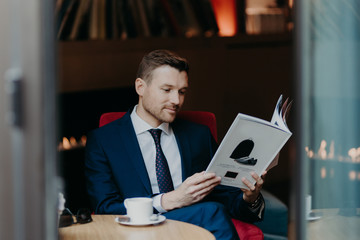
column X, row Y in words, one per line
column 262, row 207
column 157, row 203
column 258, row 206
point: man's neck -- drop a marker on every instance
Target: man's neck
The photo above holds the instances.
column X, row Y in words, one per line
column 140, row 111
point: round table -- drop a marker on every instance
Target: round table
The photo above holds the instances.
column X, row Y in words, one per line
column 334, row 224
column 104, row 227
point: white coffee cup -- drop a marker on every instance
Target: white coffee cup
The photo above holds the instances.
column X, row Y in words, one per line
column 308, row 205
column 139, row 209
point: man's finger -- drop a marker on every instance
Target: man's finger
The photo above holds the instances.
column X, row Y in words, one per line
column 203, row 177
column 205, row 191
column 248, row 184
column 259, row 180
column 205, row 184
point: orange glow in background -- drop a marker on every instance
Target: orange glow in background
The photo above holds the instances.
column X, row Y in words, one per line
column 225, row 14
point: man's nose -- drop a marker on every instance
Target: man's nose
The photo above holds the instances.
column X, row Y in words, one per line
column 175, row 98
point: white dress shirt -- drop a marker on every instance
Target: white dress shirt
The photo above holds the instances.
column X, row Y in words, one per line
column 147, row 146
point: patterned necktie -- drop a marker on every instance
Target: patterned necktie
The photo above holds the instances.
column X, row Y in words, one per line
column 162, row 168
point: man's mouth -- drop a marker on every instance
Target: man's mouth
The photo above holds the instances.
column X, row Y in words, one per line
column 171, row 109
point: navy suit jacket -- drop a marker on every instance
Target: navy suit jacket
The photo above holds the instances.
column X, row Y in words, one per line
column 115, row 169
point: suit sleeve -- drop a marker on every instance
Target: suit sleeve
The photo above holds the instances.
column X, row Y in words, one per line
column 104, row 194
column 232, row 198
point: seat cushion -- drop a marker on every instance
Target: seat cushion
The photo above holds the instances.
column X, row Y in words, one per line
column 247, row 231
column 275, row 220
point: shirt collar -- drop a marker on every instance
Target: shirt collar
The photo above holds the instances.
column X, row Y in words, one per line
column 142, row 126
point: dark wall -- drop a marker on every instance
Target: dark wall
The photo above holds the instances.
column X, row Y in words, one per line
column 80, row 111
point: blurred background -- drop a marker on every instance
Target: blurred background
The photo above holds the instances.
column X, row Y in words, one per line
column 65, row 62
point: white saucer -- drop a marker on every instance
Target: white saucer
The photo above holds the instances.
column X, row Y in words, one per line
column 126, row 221
column 312, row 217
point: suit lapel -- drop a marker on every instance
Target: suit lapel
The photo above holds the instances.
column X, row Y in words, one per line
column 132, row 148
column 184, row 148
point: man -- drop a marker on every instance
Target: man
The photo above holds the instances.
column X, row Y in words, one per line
column 123, row 158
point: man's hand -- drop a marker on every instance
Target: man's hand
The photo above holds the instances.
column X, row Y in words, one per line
column 192, row 190
column 251, row 195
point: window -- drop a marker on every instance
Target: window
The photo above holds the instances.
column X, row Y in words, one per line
column 328, row 47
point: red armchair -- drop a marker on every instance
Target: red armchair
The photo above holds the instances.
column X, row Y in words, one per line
column 245, row 231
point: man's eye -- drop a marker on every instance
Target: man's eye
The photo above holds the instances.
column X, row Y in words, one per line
column 166, row 90
column 182, row 92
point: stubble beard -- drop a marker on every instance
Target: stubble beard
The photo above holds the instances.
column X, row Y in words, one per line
column 162, row 115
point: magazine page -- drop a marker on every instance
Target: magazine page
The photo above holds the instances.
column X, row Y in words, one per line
column 249, row 145
column 281, row 112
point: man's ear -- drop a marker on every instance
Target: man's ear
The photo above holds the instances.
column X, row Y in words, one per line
column 140, row 86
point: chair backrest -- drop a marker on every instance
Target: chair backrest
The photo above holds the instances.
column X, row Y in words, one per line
column 201, row 117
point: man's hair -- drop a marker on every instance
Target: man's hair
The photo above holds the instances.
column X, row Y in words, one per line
column 158, row 58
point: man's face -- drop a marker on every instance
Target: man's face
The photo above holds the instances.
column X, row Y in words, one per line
column 163, row 97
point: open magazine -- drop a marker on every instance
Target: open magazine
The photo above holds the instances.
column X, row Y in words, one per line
column 251, row 144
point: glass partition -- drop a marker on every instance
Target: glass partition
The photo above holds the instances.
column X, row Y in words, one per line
column 328, row 53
